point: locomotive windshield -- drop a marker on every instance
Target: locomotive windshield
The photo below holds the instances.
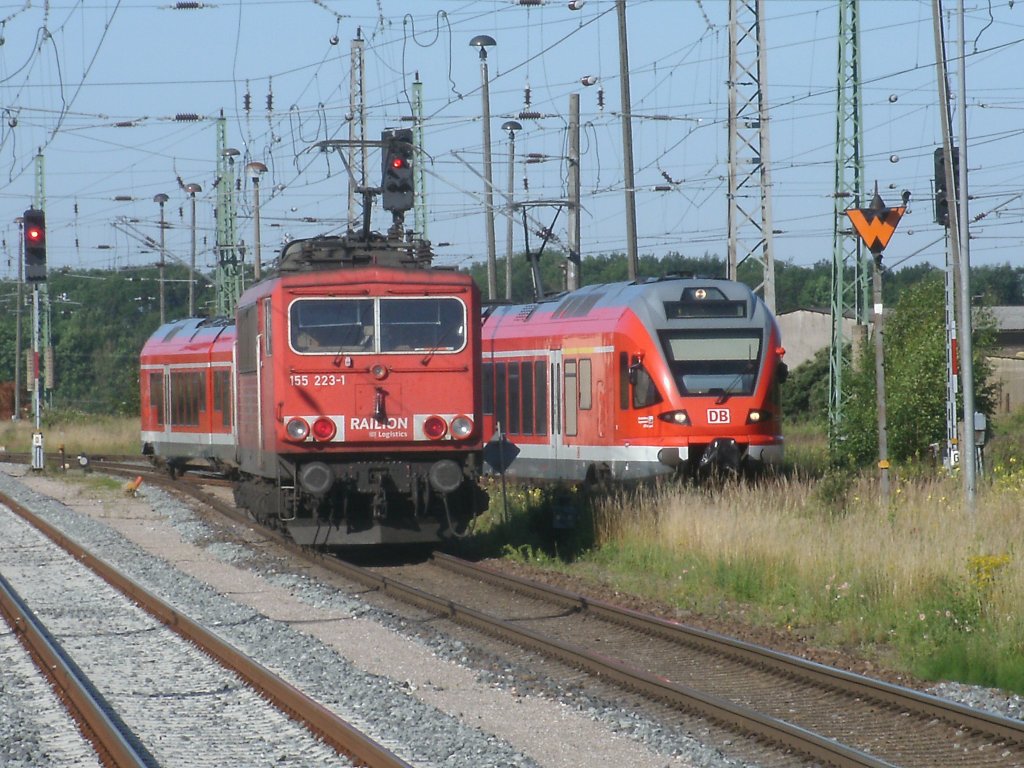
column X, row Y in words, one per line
column 332, row 326
column 704, row 362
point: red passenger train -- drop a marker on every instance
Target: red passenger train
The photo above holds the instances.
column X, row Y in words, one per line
column 634, row 380
column 344, row 396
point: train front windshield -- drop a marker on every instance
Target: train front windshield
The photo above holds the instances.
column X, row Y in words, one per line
column 375, row 325
column 713, row 362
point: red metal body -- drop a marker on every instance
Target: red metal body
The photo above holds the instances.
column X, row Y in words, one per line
column 634, row 380
column 352, row 414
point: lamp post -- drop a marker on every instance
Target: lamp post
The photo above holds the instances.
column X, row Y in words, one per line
column 481, row 42
column 192, row 189
column 510, row 126
column 161, row 199
column 256, row 169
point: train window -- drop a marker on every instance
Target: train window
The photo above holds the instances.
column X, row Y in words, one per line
column 188, row 397
column 487, row 382
column 268, row 326
column 513, row 399
column 156, row 395
column 713, row 362
column 222, row 395
column 332, row 326
column 247, row 339
column 645, row 392
column 585, row 377
column 500, row 399
column 623, row 381
column 528, row 404
column 540, row 397
column 422, row 325
column 572, row 398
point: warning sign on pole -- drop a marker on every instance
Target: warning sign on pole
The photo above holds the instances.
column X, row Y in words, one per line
column 876, row 224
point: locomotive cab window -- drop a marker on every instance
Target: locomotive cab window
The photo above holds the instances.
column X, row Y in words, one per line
column 330, row 326
column 636, row 387
column 353, row 326
column 422, row 325
column 724, row 363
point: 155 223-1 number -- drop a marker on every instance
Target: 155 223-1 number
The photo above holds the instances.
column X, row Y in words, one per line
column 317, row 379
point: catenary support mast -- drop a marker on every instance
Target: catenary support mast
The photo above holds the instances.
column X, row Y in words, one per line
column 750, row 213
column 849, row 277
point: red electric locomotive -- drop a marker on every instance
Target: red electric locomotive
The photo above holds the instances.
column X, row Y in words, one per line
column 345, row 396
column 629, row 381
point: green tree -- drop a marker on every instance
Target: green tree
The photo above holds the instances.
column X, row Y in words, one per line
column 915, row 379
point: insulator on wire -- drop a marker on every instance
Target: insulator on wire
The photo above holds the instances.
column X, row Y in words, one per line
column 600, row 98
column 526, row 95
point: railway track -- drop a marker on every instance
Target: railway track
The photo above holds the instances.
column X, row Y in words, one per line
column 107, row 718
column 829, row 715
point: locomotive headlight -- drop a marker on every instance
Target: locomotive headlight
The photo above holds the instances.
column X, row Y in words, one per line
column 675, row 417
column 297, row 429
column 462, row 427
column 435, row 427
column 756, row 416
column 324, row 429
column 379, row 371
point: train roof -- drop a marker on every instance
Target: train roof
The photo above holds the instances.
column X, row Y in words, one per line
column 190, row 335
column 655, row 301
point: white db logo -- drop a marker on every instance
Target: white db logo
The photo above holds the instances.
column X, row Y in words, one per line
column 718, row 415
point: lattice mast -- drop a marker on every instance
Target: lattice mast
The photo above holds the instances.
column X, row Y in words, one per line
column 356, row 132
column 229, row 279
column 848, row 296
column 419, row 175
column 750, row 212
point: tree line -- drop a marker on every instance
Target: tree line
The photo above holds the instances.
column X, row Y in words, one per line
column 98, row 321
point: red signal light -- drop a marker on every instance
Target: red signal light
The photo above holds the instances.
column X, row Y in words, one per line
column 34, row 234
column 398, row 162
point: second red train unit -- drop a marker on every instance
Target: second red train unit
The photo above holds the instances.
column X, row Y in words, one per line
column 634, row 380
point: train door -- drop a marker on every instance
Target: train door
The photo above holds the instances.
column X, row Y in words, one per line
column 556, row 397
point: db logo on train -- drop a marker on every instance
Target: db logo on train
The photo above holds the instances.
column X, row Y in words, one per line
column 718, row 415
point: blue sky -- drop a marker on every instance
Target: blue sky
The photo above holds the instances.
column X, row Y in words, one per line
column 97, row 85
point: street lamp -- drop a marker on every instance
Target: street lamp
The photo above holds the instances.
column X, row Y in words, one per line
column 160, row 199
column 481, row 42
column 511, row 126
column 256, row 169
column 192, row 189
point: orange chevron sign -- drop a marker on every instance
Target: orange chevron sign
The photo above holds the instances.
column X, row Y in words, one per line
column 875, row 225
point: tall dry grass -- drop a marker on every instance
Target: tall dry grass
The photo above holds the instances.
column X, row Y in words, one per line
column 926, row 575
column 77, row 433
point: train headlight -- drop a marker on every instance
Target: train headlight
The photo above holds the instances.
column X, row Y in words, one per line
column 297, row 429
column 462, row 427
column 757, row 416
column 675, row 417
column 379, row 371
column 435, row 427
column 324, row 429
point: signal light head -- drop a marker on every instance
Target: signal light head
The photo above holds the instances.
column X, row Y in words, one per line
column 398, row 162
column 34, row 235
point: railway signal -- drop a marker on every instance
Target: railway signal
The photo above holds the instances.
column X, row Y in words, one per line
column 35, row 245
column 942, row 184
column 397, row 170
